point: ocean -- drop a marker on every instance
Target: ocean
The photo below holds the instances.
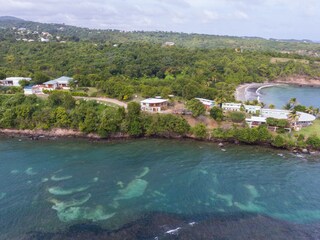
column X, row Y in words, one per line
column 155, row 189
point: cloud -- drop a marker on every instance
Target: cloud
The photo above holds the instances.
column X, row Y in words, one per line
column 266, row 18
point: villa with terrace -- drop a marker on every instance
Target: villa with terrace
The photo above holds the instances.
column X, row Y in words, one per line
column 154, row 105
column 59, row 83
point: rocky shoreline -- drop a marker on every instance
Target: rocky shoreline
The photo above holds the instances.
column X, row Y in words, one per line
column 58, row 133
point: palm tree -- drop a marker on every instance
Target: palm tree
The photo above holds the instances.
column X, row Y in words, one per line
column 293, row 117
column 219, row 100
column 310, row 110
column 271, row 106
column 293, row 102
column 287, row 106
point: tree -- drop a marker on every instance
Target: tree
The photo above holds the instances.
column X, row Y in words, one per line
column 271, row 106
column 90, row 123
column 293, row 102
column 287, row 106
column 110, row 122
column 293, row 117
column 60, row 98
column 216, row 113
column 40, row 77
column 2, row 75
column 60, row 117
column 219, row 100
column 134, row 124
column 196, row 107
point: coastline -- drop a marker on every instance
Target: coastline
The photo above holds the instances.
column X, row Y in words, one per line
column 243, row 91
column 59, row 133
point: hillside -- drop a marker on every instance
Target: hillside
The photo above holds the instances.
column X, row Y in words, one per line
column 9, row 29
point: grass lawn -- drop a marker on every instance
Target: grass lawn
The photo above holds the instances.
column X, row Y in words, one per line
column 311, row 130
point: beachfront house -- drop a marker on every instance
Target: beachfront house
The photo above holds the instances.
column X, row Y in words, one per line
column 208, row 104
column 59, row 83
column 154, row 105
column 13, row 81
column 235, row 107
column 304, row 119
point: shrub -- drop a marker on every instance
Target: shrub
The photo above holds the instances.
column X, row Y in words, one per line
column 216, row 113
column 200, row 131
column 314, row 141
column 278, row 141
column 79, row 94
column 237, row 117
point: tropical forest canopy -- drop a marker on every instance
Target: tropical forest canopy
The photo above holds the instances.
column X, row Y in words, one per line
column 121, row 64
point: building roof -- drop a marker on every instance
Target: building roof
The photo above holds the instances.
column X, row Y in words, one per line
column 17, row 79
column 60, row 80
column 206, row 101
column 283, row 114
column 256, row 119
column 154, row 100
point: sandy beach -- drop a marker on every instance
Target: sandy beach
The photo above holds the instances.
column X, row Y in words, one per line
column 246, row 91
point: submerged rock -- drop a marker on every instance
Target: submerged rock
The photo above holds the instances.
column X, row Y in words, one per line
column 61, row 206
column 84, row 213
column 61, row 191
column 134, row 189
column 2, row 195
column 144, row 172
column 61, row 178
column 15, row 171
column 30, row 171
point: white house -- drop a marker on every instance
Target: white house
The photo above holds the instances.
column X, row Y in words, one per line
column 154, row 105
column 208, row 104
column 233, row 107
column 59, row 83
column 305, row 119
column 13, row 81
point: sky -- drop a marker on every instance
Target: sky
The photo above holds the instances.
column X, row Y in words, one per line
column 282, row 19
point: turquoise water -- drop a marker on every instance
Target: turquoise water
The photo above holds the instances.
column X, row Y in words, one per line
column 48, row 186
column 280, row 95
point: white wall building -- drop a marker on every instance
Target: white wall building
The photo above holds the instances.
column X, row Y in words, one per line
column 154, row 105
column 208, row 104
column 13, row 81
column 233, row 107
column 305, row 119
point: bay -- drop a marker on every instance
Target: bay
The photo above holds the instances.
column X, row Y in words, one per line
column 48, row 186
column 281, row 94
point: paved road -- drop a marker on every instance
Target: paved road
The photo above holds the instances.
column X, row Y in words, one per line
column 107, row 100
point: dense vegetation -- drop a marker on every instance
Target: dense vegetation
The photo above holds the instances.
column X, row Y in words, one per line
column 61, row 110
column 124, row 64
column 195, row 41
column 145, row 68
